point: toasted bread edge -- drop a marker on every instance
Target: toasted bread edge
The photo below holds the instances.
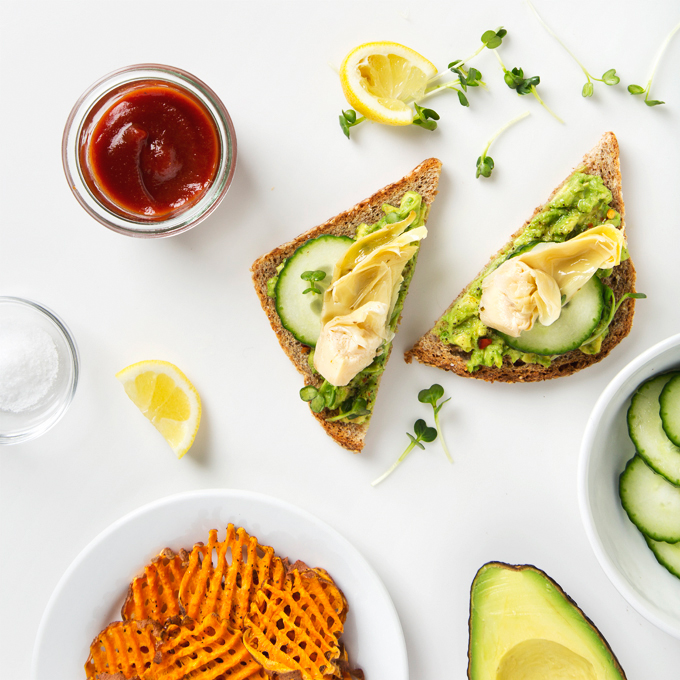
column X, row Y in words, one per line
column 602, row 160
column 423, row 179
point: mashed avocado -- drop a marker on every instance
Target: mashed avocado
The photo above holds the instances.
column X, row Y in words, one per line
column 583, row 201
column 363, row 387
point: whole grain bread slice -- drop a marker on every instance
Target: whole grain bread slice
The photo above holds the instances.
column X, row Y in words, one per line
column 602, row 160
column 423, row 179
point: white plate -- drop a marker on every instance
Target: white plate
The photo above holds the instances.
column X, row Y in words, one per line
column 91, row 592
column 606, row 448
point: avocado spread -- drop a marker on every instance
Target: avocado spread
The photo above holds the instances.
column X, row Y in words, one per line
column 581, row 202
column 354, row 402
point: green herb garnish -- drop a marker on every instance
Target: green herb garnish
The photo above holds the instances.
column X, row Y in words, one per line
column 327, row 396
column 472, row 77
column 349, row 119
column 608, row 77
column 516, row 80
column 432, row 396
column 485, row 164
column 490, row 39
column 425, row 118
column 312, row 277
column 493, row 39
column 423, row 434
column 638, row 89
column 316, row 401
column 611, row 307
column 356, row 409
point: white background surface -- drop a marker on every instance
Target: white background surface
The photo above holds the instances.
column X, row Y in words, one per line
column 511, row 494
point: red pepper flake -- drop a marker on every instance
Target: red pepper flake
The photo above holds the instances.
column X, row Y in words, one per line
column 483, row 343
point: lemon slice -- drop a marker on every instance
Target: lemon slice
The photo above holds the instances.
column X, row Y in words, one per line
column 379, row 80
column 166, row 397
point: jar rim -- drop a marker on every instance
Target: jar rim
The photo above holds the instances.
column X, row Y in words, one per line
column 175, row 223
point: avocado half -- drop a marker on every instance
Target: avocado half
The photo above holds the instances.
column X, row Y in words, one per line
column 523, row 626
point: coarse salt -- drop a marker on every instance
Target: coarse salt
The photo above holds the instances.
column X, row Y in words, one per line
column 29, row 363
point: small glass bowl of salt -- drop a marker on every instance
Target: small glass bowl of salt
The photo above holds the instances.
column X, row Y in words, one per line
column 38, row 369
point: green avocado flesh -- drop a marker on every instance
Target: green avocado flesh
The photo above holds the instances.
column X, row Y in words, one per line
column 364, row 385
column 582, row 201
column 523, row 626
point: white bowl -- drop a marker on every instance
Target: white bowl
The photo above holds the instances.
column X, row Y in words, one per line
column 606, row 448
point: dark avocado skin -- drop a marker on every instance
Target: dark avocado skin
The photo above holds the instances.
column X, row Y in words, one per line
column 491, row 572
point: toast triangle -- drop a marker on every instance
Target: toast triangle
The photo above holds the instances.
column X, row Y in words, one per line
column 602, row 160
column 423, row 179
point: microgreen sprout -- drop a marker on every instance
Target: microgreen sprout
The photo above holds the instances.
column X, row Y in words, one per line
column 611, row 307
column 485, row 166
column 493, row 39
column 425, row 118
column 356, row 410
column 608, row 77
column 312, row 277
column 423, row 434
column 316, row 401
column 490, row 39
column 450, row 85
column 349, row 119
column 471, row 77
column 638, row 89
column 432, row 396
column 515, row 80
column 485, row 163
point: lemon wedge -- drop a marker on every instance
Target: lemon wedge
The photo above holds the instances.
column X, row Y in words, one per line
column 166, row 397
column 380, row 79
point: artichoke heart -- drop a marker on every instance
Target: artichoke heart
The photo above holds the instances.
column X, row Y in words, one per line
column 358, row 304
column 536, row 284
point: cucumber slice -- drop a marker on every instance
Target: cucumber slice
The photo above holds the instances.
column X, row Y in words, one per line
column 651, row 502
column 647, row 433
column 669, row 403
column 667, row 554
column 575, row 325
column 300, row 312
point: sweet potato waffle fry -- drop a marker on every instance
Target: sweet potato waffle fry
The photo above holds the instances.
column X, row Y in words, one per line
column 227, row 584
column 297, row 627
column 155, row 595
column 227, row 610
column 124, row 650
column 205, row 651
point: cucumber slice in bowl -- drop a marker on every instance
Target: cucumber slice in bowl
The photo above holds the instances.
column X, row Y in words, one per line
column 669, row 403
column 651, row 502
column 576, row 323
column 646, row 431
column 667, row 554
column 300, row 312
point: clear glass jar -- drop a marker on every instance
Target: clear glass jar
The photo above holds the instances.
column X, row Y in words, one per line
column 96, row 102
column 33, row 419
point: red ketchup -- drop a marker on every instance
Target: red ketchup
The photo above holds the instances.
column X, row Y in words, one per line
column 152, row 153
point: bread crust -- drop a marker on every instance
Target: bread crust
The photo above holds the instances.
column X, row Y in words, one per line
column 602, row 160
column 423, row 179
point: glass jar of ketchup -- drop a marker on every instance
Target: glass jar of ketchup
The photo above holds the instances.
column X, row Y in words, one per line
column 149, row 150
